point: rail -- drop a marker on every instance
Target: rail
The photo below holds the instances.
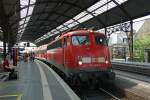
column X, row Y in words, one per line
column 134, row 67
column 110, row 94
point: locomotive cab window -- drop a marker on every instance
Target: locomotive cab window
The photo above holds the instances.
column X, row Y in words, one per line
column 80, row 40
column 100, row 40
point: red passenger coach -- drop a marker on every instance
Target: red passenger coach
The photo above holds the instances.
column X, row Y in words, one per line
column 41, row 52
column 81, row 53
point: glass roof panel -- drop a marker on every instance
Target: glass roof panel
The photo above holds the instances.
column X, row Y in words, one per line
column 43, row 38
column 30, row 10
column 64, row 28
column 45, row 35
column 72, row 24
column 21, row 27
column 98, row 8
column 59, row 27
column 104, row 8
column 25, row 25
column 111, row 5
column 25, row 12
column 120, row 1
column 21, row 22
column 27, row 19
column 80, row 15
column 85, row 18
column 69, row 22
column 19, row 31
column 56, row 32
column 24, row 3
column 32, row 1
column 23, row 30
column 97, row 5
column 49, row 33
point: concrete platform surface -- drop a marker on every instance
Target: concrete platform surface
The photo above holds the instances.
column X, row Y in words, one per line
column 36, row 82
column 133, row 85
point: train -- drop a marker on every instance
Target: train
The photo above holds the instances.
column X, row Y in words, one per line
column 79, row 54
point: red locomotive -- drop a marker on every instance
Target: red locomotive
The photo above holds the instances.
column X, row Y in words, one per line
column 81, row 53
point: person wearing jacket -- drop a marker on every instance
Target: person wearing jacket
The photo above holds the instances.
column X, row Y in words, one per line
column 6, row 65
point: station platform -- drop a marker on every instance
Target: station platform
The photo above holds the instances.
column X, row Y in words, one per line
column 36, row 82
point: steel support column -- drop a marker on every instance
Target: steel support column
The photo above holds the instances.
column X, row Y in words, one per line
column 9, row 47
column 4, row 44
column 131, row 40
column 106, row 31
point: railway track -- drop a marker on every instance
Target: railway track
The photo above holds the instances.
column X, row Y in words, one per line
column 110, row 94
column 100, row 94
column 138, row 68
column 134, row 76
column 95, row 94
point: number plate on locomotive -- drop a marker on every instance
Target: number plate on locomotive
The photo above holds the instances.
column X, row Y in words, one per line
column 86, row 59
column 101, row 59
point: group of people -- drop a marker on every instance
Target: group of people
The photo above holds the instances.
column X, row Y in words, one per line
column 30, row 55
column 7, row 67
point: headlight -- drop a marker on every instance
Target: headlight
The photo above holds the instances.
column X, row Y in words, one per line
column 80, row 62
column 106, row 61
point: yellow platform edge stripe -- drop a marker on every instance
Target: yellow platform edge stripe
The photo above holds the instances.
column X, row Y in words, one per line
column 19, row 96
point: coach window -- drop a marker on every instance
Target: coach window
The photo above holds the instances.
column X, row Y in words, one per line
column 80, row 40
column 54, row 45
column 57, row 44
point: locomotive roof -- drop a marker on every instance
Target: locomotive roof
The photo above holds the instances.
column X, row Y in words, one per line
column 76, row 32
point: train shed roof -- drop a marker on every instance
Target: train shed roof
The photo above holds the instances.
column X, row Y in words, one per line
column 41, row 20
column 8, row 16
column 103, row 14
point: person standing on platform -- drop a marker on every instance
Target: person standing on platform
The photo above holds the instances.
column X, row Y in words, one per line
column 25, row 57
column 33, row 56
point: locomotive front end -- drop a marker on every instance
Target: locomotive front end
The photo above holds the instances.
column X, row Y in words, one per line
column 91, row 55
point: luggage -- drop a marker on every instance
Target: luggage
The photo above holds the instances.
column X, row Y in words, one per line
column 13, row 75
